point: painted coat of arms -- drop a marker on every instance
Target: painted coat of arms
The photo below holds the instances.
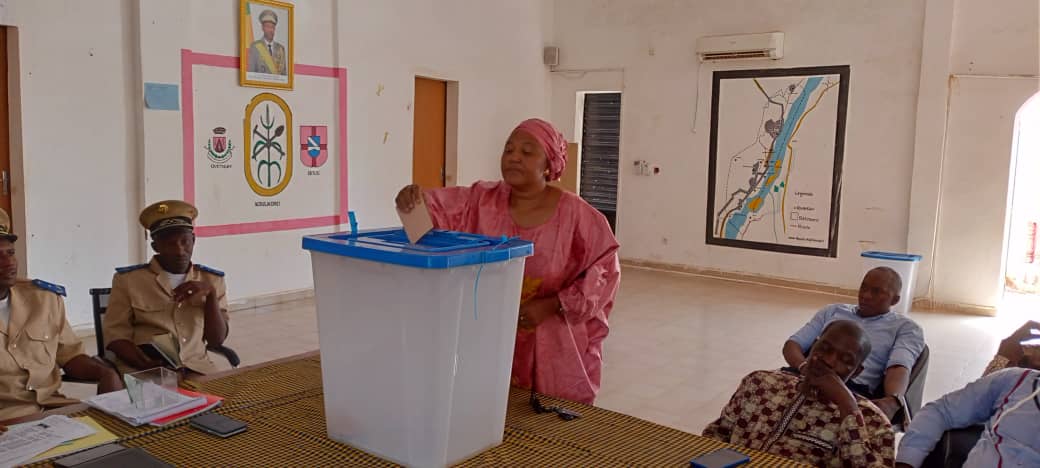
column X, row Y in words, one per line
column 268, row 136
column 314, row 145
column 218, row 146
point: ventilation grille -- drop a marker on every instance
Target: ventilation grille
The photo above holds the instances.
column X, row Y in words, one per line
column 751, row 54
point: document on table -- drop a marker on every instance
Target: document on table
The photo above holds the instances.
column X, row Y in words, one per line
column 159, row 403
column 22, row 442
column 101, row 436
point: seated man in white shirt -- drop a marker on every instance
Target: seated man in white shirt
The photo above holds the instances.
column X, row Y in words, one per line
column 897, row 341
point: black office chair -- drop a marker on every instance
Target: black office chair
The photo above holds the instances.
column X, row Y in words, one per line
column 100, row 302
column 918, row 376
column 952, row 450
column 914, row 391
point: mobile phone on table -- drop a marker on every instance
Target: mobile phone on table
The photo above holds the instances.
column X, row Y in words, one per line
column 218, row 425
column 721, row 458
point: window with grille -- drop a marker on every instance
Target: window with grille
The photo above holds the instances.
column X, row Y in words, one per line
column 600, row 140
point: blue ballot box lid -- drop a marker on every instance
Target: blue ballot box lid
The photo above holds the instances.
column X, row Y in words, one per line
column 898, row 257
column 436, row 250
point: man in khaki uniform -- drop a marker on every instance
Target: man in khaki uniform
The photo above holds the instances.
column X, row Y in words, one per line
column 36, row 339
column 266, row 55
column 169, row 295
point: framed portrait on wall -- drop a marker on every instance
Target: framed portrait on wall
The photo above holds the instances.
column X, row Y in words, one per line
column 266, row 44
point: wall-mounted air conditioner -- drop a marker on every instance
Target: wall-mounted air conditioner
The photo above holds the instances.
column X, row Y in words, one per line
column 741, row 47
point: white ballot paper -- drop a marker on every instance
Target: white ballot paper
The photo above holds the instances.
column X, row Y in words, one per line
column 24, row 441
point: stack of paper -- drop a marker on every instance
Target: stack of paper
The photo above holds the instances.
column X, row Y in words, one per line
column 159, row 404
column 101, row 436
column 21, row 442
column 212, row 401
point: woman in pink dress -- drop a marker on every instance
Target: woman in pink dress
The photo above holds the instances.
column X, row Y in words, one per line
column 569, row 283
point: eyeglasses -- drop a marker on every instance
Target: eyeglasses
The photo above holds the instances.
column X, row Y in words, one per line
column 564, row 413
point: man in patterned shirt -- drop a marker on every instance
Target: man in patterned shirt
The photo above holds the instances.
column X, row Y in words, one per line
column 813, row 418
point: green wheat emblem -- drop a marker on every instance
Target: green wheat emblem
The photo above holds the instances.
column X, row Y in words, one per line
column 263, row 148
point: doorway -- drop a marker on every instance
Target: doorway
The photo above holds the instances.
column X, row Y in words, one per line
column 1022, row 259
column 429, row 133
column 600, row 124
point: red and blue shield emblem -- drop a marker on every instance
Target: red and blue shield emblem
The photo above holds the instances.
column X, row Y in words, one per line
column 314, row 145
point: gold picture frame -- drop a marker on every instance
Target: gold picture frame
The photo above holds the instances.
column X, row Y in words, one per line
column 266, row 44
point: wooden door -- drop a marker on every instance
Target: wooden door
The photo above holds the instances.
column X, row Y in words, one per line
column 428, row 134
column 5, row 137
column 569, row 179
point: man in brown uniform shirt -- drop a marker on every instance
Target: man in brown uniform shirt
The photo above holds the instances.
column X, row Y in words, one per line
column 37, row 342
column 169, row 295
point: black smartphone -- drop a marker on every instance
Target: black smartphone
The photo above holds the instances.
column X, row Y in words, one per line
column 721, row 458
column 111, row 455
column 218, row 425
column 88, row 455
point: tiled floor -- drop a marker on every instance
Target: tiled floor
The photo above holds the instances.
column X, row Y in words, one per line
column 679, row 344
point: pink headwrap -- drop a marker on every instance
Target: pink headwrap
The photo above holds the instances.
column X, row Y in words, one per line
column 552, row 141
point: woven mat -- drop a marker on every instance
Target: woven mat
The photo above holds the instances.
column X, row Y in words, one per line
column 283, row 406
column 265, row 384
column 599, row 438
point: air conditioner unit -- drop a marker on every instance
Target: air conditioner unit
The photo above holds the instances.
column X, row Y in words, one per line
column 741, row 47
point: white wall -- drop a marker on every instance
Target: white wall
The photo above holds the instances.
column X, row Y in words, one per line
column 661, row 218
column 90, row 156
column 900, row 157
column 501, row 82
column 971, row 241
column 93, row 157
column 76, row 99
column 932, row 110
column 996, row 38
column 983, row 65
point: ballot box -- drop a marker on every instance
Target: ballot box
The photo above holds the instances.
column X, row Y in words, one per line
column 417, row 340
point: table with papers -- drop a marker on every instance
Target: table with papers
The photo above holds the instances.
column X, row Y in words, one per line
column 168, row 403
column 282, row 402
column 24, row 441
column 100, row 436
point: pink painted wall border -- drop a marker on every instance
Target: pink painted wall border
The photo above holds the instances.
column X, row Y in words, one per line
column 341, row 74
column 188, row 125
column 188, row 60
column 266, row 226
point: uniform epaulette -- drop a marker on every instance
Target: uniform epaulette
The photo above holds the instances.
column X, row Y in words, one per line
column 54, row 288
column 207, row 269
column 128, row 269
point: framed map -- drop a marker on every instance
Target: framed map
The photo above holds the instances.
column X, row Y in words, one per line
column 775, row 157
